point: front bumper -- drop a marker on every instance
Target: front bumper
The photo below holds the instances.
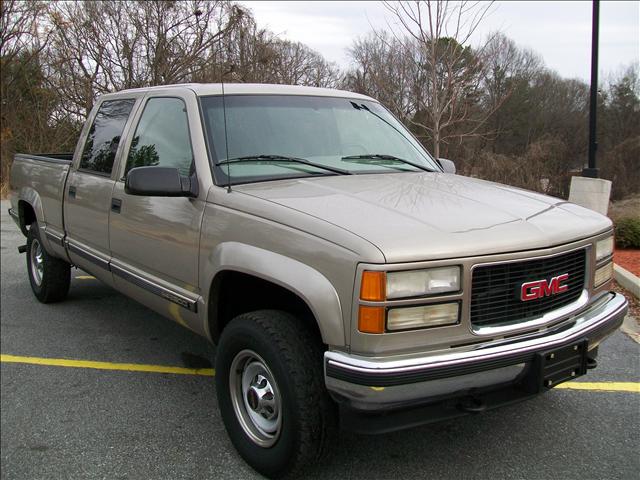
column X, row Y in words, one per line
column 364, row 385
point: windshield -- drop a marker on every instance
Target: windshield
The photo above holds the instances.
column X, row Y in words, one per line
column 340, row 133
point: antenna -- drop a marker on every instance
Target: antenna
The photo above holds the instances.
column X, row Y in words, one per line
column 226, row 141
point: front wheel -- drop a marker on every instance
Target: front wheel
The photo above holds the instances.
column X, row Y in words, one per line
column 271, row 393
column 49, row 276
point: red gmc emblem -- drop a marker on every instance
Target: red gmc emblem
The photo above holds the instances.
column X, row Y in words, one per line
column 542, row 288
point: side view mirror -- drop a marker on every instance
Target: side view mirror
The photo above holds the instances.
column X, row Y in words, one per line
column 160, row 182
column 447, row 165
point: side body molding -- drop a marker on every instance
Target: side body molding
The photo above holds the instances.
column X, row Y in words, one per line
column 309, row 284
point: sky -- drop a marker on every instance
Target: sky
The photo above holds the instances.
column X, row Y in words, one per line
column 560, row 31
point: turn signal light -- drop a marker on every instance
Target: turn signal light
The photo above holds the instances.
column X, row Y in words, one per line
column 373, row 286
column 371, row 319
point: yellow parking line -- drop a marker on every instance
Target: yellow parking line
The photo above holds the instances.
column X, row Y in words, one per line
column 85, row 277
column 633, row 387
column 128, row 367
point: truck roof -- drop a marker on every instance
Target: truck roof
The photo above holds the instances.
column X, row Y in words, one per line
column 204, row 89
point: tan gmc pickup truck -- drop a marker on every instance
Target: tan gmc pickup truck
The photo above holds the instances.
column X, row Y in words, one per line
column 347, row 277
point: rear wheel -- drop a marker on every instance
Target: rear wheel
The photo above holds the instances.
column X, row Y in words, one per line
column 49, row 277
column 271, row 393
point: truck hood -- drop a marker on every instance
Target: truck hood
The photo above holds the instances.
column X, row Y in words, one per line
column 424, row 216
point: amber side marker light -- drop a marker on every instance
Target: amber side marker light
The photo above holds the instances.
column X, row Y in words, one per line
column 373, row 286
column 371, row 319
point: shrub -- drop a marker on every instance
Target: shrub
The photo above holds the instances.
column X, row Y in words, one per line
column 544, row 167
column 621, row 166
column 628, row 233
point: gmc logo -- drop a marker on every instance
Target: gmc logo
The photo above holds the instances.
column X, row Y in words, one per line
column 542, row 288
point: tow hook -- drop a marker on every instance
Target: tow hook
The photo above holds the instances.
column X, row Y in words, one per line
column 472, row 405
column 22, row 248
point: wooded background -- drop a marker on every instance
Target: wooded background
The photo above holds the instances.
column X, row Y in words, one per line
column 493, row 108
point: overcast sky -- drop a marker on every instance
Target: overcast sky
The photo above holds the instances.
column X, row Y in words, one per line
column 560, row 31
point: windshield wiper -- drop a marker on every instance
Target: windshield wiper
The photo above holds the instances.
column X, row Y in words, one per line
column 283, row 158
column 382, row 156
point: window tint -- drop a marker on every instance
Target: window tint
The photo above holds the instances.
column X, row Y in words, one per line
column 104, row 136
column 162, row 137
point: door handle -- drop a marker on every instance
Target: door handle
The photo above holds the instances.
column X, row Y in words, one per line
column 72, row 191
column 116, row 205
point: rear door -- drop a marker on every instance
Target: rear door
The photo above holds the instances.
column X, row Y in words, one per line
column 89, row 187
column 155, row 240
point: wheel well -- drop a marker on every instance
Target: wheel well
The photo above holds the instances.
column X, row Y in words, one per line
column 27, row 215
column 234, row 293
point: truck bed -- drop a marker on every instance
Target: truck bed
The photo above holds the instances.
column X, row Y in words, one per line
column 39, row 179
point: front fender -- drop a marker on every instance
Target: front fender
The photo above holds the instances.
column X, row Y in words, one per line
column 309, row 284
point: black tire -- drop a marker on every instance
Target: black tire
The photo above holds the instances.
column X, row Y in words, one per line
column 294, row 357
column 51, row 282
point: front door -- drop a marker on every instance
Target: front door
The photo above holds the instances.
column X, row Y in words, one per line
column 155, row 240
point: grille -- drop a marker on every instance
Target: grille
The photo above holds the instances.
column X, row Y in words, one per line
column 495, row 294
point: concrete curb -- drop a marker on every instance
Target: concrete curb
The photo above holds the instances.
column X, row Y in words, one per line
column 631, row 327
column 627, row 280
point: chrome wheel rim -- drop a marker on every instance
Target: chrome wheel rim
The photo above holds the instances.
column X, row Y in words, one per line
column 36, row 261
column 255, row 397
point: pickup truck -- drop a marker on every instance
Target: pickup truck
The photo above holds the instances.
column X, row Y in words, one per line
column 347, row 277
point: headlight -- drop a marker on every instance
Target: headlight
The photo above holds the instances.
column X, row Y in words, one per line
column 377, row 286
column 604, row 248
column 423, row 316
column 603, row 274
column 418, row 283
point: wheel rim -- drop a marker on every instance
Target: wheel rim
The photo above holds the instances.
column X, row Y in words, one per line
column 36, row 261
column 255, row 397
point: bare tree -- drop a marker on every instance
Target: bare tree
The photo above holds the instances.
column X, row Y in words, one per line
column 21, row 33
column 252, row 54
column 297, row 64
column 20, row 28
column 99, row 47
column 383, row 70
column 449, row 72
column 505, row 68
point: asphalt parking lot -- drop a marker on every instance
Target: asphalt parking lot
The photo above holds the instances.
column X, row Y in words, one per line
column 66, row 422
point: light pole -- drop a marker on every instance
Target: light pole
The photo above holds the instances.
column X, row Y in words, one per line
column 592, row 169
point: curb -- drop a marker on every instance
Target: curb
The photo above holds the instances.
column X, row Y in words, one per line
column 627, row 280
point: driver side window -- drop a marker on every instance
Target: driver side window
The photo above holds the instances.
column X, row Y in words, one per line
column 162, row 137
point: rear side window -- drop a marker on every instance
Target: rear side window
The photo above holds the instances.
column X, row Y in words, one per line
column 162, row 137
column 104, row 136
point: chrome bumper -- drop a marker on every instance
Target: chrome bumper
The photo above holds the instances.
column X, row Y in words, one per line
column 381, row 384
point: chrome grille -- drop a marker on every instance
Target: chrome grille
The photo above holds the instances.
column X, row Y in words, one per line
column 495, row 294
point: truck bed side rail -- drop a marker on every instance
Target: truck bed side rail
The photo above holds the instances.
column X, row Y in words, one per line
column 62, row 158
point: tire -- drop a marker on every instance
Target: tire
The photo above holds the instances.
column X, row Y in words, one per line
column 274, row 346
column 49, row 277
